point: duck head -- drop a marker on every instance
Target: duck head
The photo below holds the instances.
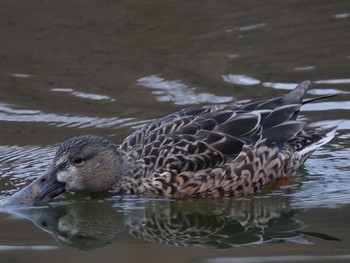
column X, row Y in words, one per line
column 88, row 164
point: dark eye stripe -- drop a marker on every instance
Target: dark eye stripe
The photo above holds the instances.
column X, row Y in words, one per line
column 78, row 160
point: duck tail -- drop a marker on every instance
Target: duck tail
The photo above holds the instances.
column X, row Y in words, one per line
column 296, row 96
column 318, row 98
column 316, row 140
column 301, row 146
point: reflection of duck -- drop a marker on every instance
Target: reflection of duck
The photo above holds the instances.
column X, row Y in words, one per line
column 218, row 224
column 208, row 151
column 78, row 225
column 212, row 223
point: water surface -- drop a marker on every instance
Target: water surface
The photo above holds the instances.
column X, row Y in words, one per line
column 109, row 67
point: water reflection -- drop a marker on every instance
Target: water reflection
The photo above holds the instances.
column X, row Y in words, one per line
column 211, row 223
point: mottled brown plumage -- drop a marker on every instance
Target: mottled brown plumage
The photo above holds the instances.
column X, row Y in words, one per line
column 220, row 150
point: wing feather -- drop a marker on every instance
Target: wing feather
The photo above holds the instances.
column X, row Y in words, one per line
column 204, row 137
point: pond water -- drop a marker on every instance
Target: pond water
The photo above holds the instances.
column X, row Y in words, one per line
column 108, row 67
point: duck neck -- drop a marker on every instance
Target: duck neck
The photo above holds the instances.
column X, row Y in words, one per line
column 130, row 173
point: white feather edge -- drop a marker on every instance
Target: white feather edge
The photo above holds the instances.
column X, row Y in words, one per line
column 312, row 147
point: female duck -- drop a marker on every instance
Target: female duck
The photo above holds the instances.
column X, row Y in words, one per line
column 208, row 151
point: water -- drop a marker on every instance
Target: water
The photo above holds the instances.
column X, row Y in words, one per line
column 108, row 67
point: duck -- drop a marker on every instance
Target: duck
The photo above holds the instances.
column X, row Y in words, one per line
column 207, row 151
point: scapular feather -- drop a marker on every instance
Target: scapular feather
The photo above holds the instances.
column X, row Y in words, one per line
column 282, row 132
column 280, row 115
column 240, row 124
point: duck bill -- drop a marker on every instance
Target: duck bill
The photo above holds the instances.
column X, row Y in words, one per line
column 44, row 187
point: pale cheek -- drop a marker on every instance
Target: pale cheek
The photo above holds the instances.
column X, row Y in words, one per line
column 69, row 177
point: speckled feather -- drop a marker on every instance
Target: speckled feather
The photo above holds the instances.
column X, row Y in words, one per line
column 219, row 150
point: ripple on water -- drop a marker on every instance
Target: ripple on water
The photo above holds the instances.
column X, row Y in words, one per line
column 240, row 79
column 21, row 164
column 342, row 124
column 317, row 91
column 327, row 91
column 342, row 16
column 327, row 182
column 177, row 92
column 327, row 105
column 333, row 81
column 84, row 95
column 22, row 115
column 35, row 248
column 304, row 68
column 252, row 27
column 21, row 75
column 276, row 85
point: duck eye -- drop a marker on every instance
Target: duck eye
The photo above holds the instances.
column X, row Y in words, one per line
column 78, row 160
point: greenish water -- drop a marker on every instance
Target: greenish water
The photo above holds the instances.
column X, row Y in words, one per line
column 108, row 67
